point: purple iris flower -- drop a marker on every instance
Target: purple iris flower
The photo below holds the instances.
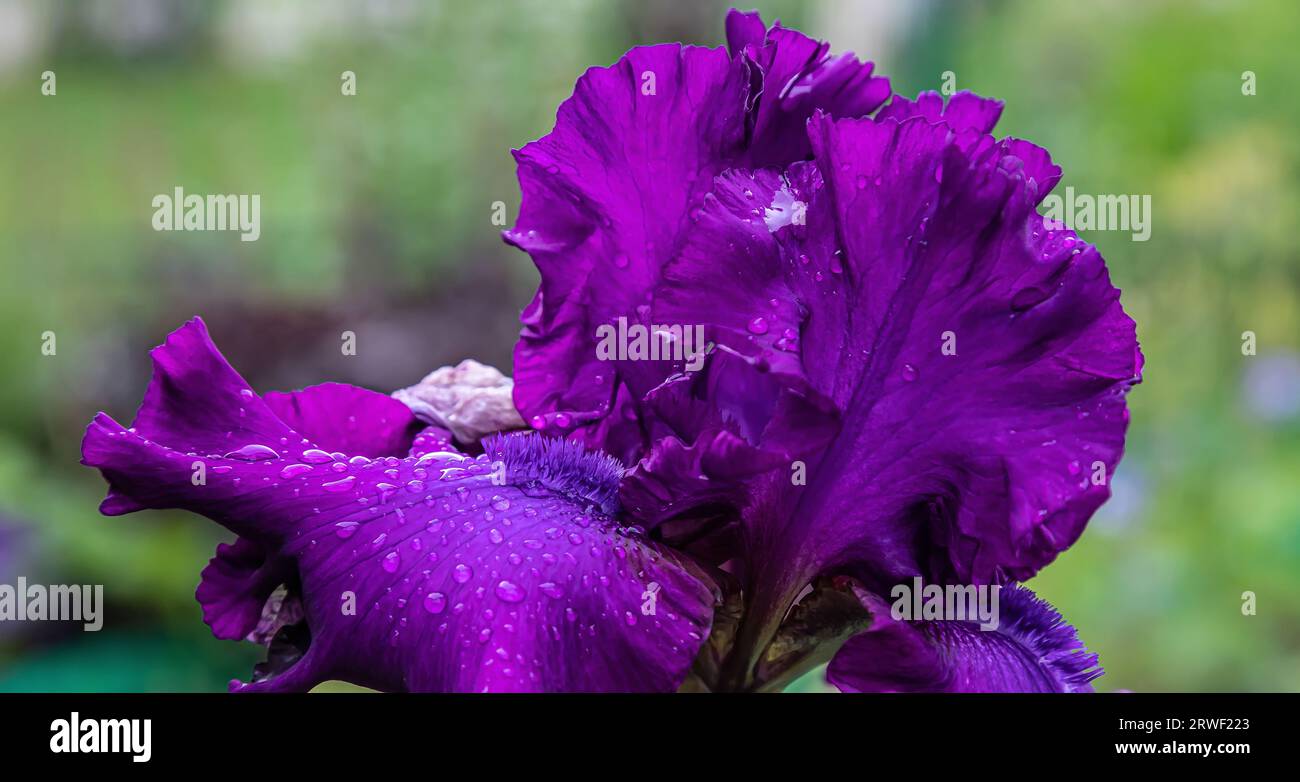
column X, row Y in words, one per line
column 906, row 374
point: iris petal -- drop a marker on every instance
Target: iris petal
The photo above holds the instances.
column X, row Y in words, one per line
column 236, row 584
column 342, row 417
column 976, row 464
column 610, row 193
column 440, row 571
column 799, row 77
column 1032, row 650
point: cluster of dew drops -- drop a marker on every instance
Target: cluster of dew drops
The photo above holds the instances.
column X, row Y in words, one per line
column 456, row 473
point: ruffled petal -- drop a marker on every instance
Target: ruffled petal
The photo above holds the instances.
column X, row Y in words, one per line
column 342, row 417
column 973, row 117
column 235, row 586
column 798, row 77
column 609, row 194
column 718, row 435
column 506, row 571
column 1032, row 650
column 604, row 196
column 963, row 111
column 978, row 360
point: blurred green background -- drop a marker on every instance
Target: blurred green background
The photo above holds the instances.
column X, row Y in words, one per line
column 376, row 217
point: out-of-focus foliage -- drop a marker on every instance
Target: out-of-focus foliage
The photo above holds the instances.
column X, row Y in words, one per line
column 376, row 218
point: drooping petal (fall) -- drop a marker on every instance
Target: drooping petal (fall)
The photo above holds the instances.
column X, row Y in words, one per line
column 1032, row 650
column 438, row 571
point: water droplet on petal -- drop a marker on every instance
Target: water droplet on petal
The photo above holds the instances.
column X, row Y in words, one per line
column 343, row 484
column 294, row 470
column 253, row 453
column 435, row 602
column 510, row 592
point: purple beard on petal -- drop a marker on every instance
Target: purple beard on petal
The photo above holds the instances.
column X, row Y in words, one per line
column 1032, row 650
column 432, row 571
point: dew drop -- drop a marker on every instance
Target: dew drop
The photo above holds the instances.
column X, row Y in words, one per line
column 253, row 453
column 343, row 484
column 295, row 470
column 510, row 592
